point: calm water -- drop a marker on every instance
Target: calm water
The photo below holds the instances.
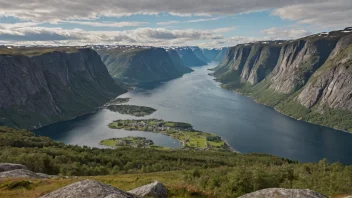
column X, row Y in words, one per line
column 197, row 99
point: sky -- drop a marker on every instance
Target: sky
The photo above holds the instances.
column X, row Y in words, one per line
column 205, row 23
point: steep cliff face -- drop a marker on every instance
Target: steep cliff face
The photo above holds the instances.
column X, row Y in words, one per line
column 45, row 88
column 265, row 63
column 308, row 78
column 251, row 60
column 189, row 59
column 331, row 85
column 141, row 65
column 298, row 61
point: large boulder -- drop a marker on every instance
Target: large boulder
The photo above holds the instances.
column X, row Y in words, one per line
column 155, row 190
column 19, row 173
column 283, row 193
column 9, row 166
column 88, row 189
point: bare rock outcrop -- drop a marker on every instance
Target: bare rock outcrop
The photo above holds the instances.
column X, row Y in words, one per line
column 20, row 173
column 9, row 166
column 155, row 190
column 331, row 84
column 88, row 189
column 283, row 193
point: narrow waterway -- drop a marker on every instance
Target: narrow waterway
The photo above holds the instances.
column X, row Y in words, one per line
column 197, row 99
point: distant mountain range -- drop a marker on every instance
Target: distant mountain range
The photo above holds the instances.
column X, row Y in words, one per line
column 142, row 64
column 308, row 78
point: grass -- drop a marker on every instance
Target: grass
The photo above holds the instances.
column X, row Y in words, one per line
column 108, row 142
column 33, row 188
column 182, row 132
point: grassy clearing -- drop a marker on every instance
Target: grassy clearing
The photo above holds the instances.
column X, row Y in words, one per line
column 33, row 188
column 182, row 132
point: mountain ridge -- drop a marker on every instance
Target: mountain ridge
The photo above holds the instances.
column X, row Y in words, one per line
column 295, row 76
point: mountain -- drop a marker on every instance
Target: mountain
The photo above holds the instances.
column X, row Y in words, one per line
column 210, row 54
column 177, row 61
column 136, row 64
column 308, row 78
column 221, row 54
column 40, row 86
column 199, row 54
column 188, row 57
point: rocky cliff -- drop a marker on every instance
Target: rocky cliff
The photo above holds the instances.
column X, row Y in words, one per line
column 42, row 86
column 307, row 78
column 134, row 64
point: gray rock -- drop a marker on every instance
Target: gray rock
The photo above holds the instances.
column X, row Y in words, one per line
column 283, row 193
column 155, row 190
column 19, row 173
column 9, row 166
column 88, row 189
column 331, row 85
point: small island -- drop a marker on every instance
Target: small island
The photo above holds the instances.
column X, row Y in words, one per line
column 118, row 101
column 183, row 132
column 138, row 111
column 131, row 142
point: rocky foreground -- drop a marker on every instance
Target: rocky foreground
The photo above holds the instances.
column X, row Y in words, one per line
column 94, row 189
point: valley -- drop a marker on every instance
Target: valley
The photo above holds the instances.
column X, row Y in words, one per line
column 245, row 125
column 179, row 99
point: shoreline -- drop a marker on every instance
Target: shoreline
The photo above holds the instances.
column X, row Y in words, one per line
column 272, row 107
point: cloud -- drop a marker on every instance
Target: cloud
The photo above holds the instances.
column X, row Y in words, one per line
column 27, row 34
column 189, row 21
column 281, row 33
column 53, row 10
column 168, row 22
column 203, row 20
column 327, row 13
column 108, row 23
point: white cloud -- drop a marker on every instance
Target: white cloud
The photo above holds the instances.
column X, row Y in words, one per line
column 203, row 20
column 326, row 13
column 168, row 22
column 108, row 23
column 142, row 36
column 53, row 10
column 189, row 21
column 283, row 33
